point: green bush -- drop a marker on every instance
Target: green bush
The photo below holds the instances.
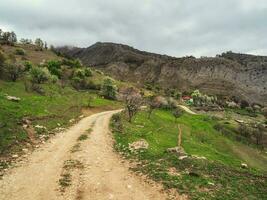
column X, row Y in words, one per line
column 13, row 70
column 79, row 73
column 39, row 75
column 109, row 89
column 27, row 66
column 20, row 51
column 88, row 72
column 54, row 67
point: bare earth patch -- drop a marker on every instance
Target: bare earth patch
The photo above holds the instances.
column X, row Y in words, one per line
column 88, row 169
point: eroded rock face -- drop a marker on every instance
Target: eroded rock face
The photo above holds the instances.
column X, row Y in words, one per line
column 239, row 75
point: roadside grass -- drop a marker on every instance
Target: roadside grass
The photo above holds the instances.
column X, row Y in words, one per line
column 217, row 177
column 57, row 107
column 82, row 137
column 65, row 177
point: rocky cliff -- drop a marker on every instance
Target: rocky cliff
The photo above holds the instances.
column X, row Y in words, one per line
column 230, row 74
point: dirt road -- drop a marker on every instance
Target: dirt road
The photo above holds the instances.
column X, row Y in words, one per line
column 69, row 168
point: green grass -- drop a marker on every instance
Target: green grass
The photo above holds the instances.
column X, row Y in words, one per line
column 222, row 166
column 83, row 137
column 57, row 106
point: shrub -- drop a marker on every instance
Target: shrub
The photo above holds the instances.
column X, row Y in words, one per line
column 88, row 72
column 132, row 99
column 244, row 104
column 27, row 66
column 13, row 70
column 2, row 61
column 92, row 85
column 109, row 89
column 79, row 73
column 54, row 67
column 177, row 113
column 20, row 51
column 54, row 79
column 39, row 75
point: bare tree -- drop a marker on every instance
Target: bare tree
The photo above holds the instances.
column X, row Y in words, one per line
column 153, row 103
column 132, row 99
column 177, row 112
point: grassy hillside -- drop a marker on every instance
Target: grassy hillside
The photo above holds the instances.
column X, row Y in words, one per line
column 219, row 176
column 48, row 104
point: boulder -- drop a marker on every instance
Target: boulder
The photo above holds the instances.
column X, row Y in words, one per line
column 12, row 98
column 177, row 150
column 140, row 144
column 244, row 165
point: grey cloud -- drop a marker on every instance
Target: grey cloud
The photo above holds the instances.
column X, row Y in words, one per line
column 175, row 27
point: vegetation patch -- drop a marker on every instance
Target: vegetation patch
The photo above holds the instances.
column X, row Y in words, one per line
column 212, row 169
column 83, row 137
column 65, row 179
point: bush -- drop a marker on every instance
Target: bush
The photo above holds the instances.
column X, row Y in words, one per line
column 244, row 104
column 27, row 66
column 177, row 113
column 92, row 85
column 109, row 89
column 39, row 75
column 13, row 70
column 20, row 51
column 54, row 67
column 79, row 73
column 2, row 61
column 88, row 72
column 54, row 79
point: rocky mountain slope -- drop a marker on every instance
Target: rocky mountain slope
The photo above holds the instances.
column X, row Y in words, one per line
column 230, row 74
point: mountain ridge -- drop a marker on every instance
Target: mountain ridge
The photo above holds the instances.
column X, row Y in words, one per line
column 233, row 75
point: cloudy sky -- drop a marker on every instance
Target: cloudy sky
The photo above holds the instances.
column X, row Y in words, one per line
column 174, row 27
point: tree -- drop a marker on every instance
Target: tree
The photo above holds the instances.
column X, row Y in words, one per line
column 39, row 43
column 25, row 41
column 13, row 38
column 109, row 89
column 39, row 75
column 45, row 45
column 153, row 103
column 258, row 133
column 132, row 99
column 177, row 112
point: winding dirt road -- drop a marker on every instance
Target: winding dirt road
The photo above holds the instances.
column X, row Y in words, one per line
column 68, row 168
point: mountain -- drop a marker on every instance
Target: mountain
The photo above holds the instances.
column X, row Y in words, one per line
column 231, row 74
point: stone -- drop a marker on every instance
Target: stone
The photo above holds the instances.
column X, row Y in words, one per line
column 25, row 150
column 40, row 127
column 182, row 157
column 244, row 165
column 177, row 150
column 72, row 120
column 140, row 144
column 12, row 98
column 210, row 183
column 15, row 156
column 199, row 157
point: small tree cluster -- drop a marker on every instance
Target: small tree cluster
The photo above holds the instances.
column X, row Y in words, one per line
column 26, row 41
column 203, row 100
column 109, row 89
column 8, row 38
column 40, row 45
column 132, row 99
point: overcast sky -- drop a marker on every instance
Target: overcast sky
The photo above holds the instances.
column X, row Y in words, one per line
column 173, row 27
